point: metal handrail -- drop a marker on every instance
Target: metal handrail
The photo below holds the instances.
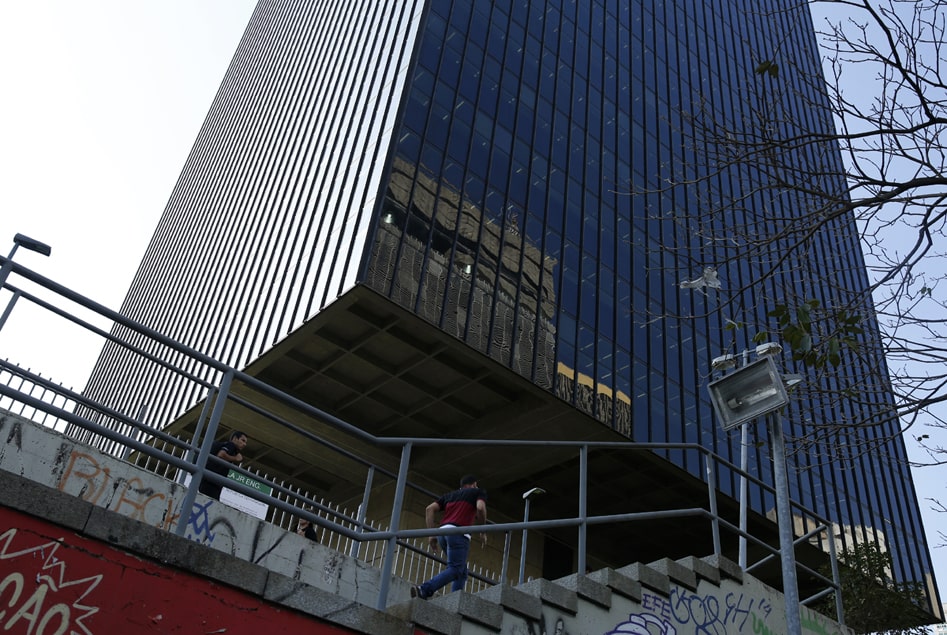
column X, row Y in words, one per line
column 393, row 535
column 220, row 393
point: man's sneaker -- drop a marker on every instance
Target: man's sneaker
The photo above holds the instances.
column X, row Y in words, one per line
column 416, row 593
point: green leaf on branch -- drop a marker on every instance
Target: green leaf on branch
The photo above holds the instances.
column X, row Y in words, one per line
column 804, row 316
column 814, row 336
column 834, row 348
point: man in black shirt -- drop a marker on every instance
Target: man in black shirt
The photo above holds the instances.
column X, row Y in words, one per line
column 230, row 451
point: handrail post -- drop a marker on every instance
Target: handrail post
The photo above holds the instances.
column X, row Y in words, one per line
column 188, row 504
column 9, row 307
column 523, row 542
column 199, row 426
column 712, row 491
column 506, row 557
column 583, row 505
column 833, row 559
column 356, row 549
column 388, row 563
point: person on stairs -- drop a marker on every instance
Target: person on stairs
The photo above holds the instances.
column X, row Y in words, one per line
column 463, row 507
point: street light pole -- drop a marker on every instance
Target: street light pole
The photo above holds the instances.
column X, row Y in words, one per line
column 744, row 465
column 755, row 391
column 27, row 243
column 784, row 523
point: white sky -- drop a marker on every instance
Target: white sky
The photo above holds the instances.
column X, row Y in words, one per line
column 100, row 102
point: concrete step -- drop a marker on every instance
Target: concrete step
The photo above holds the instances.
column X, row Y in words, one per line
column 691, row 594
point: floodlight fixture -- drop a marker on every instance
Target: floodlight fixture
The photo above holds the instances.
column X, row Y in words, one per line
column 767, row 349
column 724, row 362
column 755, row 391
column 748, row 393
column 791, row 379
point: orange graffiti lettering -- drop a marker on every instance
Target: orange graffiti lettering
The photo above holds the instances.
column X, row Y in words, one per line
column 138, row 505
column 89, row 473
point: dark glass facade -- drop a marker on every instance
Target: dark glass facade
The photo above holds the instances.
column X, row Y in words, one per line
column 498, row 167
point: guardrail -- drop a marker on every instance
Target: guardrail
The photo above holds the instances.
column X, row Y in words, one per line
column 179, row 456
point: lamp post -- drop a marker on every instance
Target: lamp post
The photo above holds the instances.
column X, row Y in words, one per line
column 755, row 391
column 526, row 496
column 30, row 244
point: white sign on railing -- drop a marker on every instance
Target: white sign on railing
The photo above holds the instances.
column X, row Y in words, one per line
column 239, row 501
column 242, row 502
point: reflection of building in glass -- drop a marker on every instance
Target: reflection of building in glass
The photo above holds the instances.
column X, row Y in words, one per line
column 454, row 179
column 484, row 290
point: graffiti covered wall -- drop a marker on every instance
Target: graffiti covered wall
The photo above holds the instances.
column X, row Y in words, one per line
column 54, row 582
column 730, row 608
column 52, row 459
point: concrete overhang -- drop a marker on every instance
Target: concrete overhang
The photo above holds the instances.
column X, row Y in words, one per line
column 373, row 365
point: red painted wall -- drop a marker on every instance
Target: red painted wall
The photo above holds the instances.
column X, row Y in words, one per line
column 54, row 582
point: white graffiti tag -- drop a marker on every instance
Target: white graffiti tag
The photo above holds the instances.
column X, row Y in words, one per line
column 644, row 624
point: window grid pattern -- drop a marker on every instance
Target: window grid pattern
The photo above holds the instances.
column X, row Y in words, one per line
column 269, row 217
column 505, row 224
column 472, row 161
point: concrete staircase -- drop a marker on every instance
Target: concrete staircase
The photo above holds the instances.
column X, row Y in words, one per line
column 47, row 476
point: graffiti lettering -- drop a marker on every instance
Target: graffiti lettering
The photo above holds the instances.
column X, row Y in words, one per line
column 13, row 578
column 656, row 604
column 712, row 614
column 134, row 498
column 86, row 469
column 39, row 613
column 141, row 502
column 760, row 627
column 31, row 611
column 702, row 612
column 16, row 433
column 205, row 530
column 738, row 609
column 199, row 520
column 644, row 624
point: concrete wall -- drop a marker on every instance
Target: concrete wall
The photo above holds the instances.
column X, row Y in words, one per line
column 84, row 548
column 55, row 582
column 48, row 458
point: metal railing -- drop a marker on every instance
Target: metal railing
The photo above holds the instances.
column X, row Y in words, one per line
column 169, row 455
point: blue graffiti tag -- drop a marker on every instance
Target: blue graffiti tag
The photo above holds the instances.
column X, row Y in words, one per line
column 200, row 521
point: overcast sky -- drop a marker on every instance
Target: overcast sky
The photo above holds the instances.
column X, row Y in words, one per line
column 101, row 101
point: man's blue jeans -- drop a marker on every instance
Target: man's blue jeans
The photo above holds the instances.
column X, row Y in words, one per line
column 458, row 546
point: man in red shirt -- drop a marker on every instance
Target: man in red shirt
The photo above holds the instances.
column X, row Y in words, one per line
column 461, row 508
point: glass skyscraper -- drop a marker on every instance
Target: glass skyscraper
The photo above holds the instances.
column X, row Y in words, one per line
column 498, row 169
